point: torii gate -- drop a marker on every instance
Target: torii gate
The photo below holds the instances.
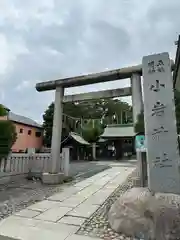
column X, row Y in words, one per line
column 133, row 72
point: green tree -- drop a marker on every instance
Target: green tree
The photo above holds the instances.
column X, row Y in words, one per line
column 7, row 134
column 48, row 124
column 92, row 131
column 3, row 111
column 96, row 109
column 70, row 109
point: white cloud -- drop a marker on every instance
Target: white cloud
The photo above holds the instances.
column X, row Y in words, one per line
column 49, row 39
column 23, row 85
column 5, row 56
column 9, row 50
column 2, row 96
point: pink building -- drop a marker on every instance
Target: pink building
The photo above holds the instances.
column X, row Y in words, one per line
column 29, row 133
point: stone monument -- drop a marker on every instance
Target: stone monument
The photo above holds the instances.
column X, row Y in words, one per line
column 160, row 124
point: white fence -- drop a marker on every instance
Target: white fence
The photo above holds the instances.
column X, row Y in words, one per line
column 23, row 163
column 17, row 165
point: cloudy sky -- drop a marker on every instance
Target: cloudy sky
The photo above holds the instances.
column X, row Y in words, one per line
column 48, row 39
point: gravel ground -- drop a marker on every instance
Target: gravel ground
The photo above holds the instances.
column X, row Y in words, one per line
column 20, row 197
column 97, row 225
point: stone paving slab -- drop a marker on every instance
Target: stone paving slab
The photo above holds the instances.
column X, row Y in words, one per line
column 78, row 237
column 83, row 210
column 28, row 213
column 120, row 178
column 64, row 195
column 19, row 221
column 33, row 229
column 83, row 184
column 92, row 179
column 94, row 200
column 87, row 192
column 98, row 176
column 73, row 201
column 33, row 233
column 104, row 180
column 44, row 205
column 111, row 185
column 98, row 198
column 70, row 220
column 54, row 214
column 60, row 227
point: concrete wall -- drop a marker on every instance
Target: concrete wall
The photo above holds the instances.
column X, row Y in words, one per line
column 3, row 117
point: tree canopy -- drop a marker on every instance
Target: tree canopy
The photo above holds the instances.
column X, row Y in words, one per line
column 92, row 131
column 7, row 134
column 76, row 116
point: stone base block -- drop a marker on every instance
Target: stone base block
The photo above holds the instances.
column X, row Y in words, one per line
column 52, row 178
column 137, row 182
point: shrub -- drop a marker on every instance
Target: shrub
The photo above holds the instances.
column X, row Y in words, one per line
column 7, row 135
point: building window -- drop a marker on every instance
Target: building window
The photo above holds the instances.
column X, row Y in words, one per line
column 21, row 130
column 38, row 134
column 29, row 132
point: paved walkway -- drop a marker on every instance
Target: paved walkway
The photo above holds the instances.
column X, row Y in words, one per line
column 61, row 215
column 21, row 193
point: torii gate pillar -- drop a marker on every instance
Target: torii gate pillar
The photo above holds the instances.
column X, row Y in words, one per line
column 57, row 129
column 137, row 101
column 55, row 176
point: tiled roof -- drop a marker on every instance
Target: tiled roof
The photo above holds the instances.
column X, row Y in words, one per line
column 118, row 132
column 78, row 138
column 24, row 120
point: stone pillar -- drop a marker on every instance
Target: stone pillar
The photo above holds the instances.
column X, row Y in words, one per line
column 94, row 151
column 137, row 101
column 57, row 130
column 160, row 125
column 54, row 176
column 65, row 161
